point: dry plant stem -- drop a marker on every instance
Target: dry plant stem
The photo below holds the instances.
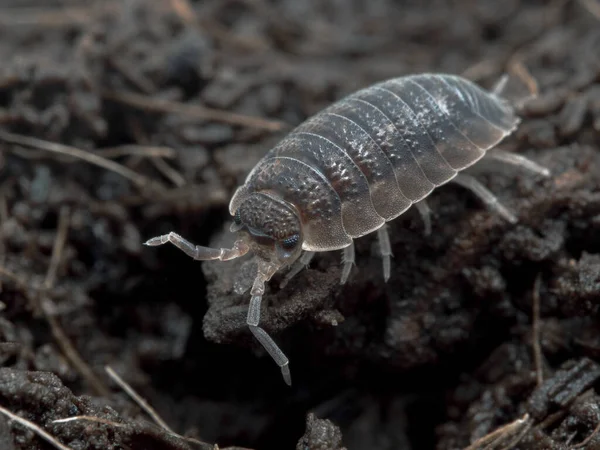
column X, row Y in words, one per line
column 71, row 353
column 36, row 429
column 136, row 79
column 195, row 111
column 138, row 399
column 519, row 437
column 3, row 218
column 54, row 147
column 175, row 177
column 45, row 17
column 146, row 407
column 535, row 331
column 187, row 194
column 593, row 6
column 62, row 339
column 138, row 150
column 57, row 248
column 122, row 425
column 482, row 69
column 508, row 429
column 518, row 68
column 14, row 277
column 552, row 419
column 586, row 441
column 185, row 11
column 90, row 419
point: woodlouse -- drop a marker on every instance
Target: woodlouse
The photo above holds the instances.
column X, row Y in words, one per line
column 356, row 165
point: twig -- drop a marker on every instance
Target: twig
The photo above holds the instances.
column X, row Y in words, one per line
column 170, row 173
column 518, row 68
column 57, row 248
column 90, row 419
column 123, row 425
column 195, row 111
column 62, row 339
column 185, row 11
column 519, row 437
column 535, row 331
column 508, row 429
column 62, row 149
column 43, row 17
column 592, row 6
column 36, row 429
column 3, row 218
column 14, row 277
column 136, row 79
column 59, row 335
column 138, row 399
column 552, row 419
column 176, row 178
column 137, row 150
column 481, row 69
column 190, row 194
column 585, row 442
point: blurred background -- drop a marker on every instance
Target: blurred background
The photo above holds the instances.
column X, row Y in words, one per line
column 124, row 119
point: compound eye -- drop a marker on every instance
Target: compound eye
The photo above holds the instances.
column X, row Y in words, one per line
column 237, row 218
column 290, row 242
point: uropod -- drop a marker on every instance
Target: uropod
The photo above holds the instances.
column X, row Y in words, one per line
column 356, row 165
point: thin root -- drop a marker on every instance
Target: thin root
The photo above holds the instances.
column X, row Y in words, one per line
column 36, row 429
column 592, row 6
column 517, row 67
column 60, row 336
column 89, row 157
column 535, row 331
column 142, row 403
column 506, row 431
column 585, row 442
column 195, row 111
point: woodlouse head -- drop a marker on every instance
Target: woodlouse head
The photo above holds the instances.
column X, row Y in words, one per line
column 270, row 227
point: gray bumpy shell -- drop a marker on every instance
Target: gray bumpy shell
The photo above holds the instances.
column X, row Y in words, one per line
column 368, row 157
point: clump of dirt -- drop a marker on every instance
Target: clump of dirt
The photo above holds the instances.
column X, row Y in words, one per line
column 120, row 121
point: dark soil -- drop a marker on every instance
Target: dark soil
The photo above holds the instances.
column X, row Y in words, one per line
column 483, row 325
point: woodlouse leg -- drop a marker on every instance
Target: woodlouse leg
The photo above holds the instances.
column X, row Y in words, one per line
column 348, row 261
column 500, row 85
column 253, row 320
column 425, row 212
column 298, row 266
column 518, row 160
column 197, row 251
column 385, row 248
column 485, row 195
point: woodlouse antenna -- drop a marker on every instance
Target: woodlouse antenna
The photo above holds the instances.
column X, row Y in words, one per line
column 199, row 253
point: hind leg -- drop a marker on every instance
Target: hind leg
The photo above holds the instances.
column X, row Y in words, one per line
column 425, row 212
column 485, row 195
column 385, row 249
column 348, row 262
column 517, row 160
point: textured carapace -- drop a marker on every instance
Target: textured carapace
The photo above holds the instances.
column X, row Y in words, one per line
column 356, row 165
column 367, row 158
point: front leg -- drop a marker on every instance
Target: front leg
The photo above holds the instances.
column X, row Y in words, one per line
column 253, row 321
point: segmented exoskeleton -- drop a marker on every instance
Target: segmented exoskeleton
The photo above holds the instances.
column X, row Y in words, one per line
column 356, row 165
